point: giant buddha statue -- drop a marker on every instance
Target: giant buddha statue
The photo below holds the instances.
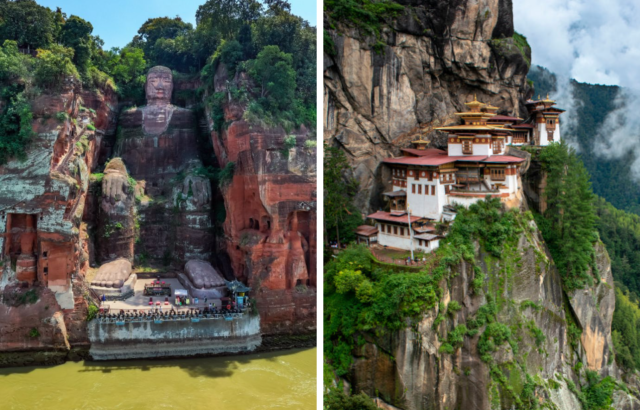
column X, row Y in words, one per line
column 158, row 144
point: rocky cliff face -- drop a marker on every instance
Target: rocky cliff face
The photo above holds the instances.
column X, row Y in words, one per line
column 270, row 226
column 436, row 56
column 408, row 370
column 42, row 202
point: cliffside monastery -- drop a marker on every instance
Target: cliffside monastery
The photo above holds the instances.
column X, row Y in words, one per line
column 427, row 183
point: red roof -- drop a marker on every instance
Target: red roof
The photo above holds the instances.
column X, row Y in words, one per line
column 503, row 159
column 386, row 216
column 366, row 230
column 472, row 158
column 442, row 158
column 503, row 118
column 433, row 159
column 423, row 152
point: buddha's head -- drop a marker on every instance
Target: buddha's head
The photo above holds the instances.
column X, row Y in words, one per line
column 159, row 86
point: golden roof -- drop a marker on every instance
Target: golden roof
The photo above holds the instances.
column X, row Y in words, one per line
column 548, row 99
column 475, row 103
column 420, row 141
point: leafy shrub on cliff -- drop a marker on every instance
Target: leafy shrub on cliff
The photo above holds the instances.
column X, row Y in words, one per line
column 274, row 74
column 15, row 125
column 366, row 15
column 225, row 175
column 335, row 399
column 13, row 65
column 391, row 300
column 228, row 53
column 54, row 66
column 92, row 311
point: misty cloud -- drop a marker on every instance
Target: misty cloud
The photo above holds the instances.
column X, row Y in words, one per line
column 591, row 41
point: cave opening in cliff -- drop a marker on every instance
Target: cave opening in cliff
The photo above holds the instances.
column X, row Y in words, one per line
column 21, row 234
column 20, row 245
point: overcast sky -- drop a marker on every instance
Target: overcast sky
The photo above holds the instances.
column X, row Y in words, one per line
column 117, row 21
column 593, row 41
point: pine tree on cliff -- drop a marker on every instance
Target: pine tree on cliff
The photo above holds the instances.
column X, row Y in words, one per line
column 569, row 220
column 340, row 215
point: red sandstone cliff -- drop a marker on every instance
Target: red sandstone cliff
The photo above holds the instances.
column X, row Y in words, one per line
column 42, row 200
column 270, row 227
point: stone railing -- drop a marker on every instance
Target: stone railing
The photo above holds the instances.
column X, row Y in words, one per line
column 121, row 319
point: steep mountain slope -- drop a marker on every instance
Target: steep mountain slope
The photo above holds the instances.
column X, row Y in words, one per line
column 490, row 323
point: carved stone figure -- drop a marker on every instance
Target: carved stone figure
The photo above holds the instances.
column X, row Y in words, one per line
column 116, row 227
column 158, row 144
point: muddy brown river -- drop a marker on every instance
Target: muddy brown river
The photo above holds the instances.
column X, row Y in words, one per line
column 277, row 380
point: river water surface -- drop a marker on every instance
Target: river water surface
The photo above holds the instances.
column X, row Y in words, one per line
column 277, row 380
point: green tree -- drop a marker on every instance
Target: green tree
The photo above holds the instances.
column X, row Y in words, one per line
column 15, row 125
column 76, row 34
column 341, row 217
column 224, row 18
column 276, row 77
column 127, row 66
column 54, row 66
column 167, row 41
column 337, row 400
column 569, row 220
column 13, row 64
column 29, row 24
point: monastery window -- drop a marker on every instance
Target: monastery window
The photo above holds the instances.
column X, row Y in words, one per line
column 413, row 188
column 467, row 146
column 44, row 254
column 395, row 230
column 46, row 271
column 401, row 231
column 497, row 174
column 433, row 189
column 497, row 147
column 549, row 135
column 430, row 176
column 403, row 172
column 446, row 189
column 419, row 189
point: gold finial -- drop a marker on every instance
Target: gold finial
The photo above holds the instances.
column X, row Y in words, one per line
column 547, row 96
column 475, row 97
column 538, row 96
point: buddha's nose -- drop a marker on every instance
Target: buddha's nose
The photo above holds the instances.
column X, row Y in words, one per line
column 160, row 84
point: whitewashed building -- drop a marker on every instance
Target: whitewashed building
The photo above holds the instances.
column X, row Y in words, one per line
column 427, row 183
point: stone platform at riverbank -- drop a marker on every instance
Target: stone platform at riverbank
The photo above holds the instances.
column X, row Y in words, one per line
column 139, row 340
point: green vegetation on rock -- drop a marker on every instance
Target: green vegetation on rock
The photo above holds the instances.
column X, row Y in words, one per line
column 368, row 16
column 341, row 217
column 568, row 223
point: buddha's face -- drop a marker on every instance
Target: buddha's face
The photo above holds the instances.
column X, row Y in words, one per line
column 159, row 88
